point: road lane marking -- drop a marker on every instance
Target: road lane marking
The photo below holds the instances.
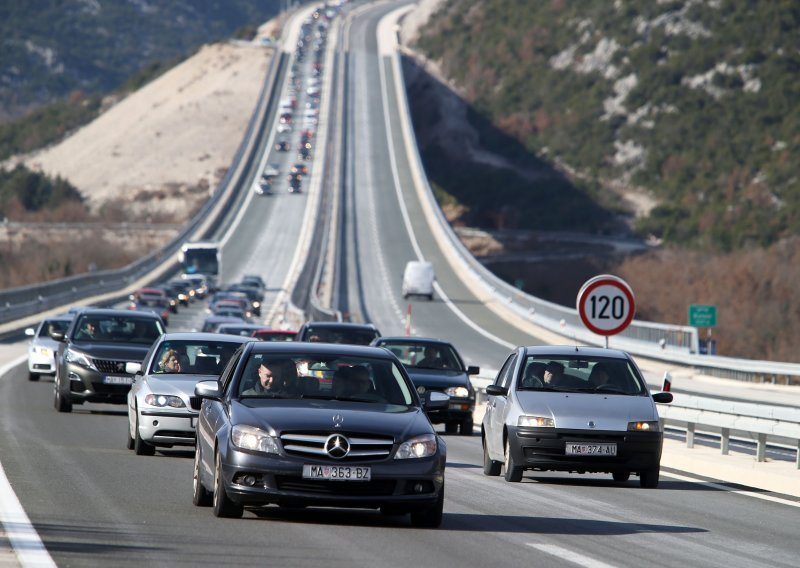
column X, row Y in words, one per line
column 730, row 489
column 570, row 556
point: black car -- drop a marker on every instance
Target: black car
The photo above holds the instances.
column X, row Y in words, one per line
column 298, row 424
column 93, row 352
column 338, row 332
column 435, row 365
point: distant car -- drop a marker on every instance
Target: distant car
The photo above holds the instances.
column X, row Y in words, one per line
column 572, row 409
column 243, row 329
column 162, row 408
column 299, row 168
column 436, row 365
column 93, row 352
column 282, row 145
column 284, row 128
column 338, row 332
column 254, row 278
column 418, row 279
column 295, row 185
column 42, row 348
column 263, row 186
column 269, row 334
column 212, row 322
column 271, row 170
column 360, row 440
column 161, row 308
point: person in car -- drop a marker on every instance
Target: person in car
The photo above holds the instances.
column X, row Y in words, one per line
column 599, row 375
column 88, row 331
column 351, row 381
column 432, row 358
column 170, row 362
column 534, row 375
column 553, row 373
column 274, row 376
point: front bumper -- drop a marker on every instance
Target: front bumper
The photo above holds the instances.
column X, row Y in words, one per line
column 401, row 484
column 545, row 449
column 88, row 385
column 458, row 410
column 167, row 428
column 41, row 364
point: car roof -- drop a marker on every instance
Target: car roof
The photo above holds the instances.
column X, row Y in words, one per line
column 411, row 339
column 242, row 325
column 322, row 349
column 575, row 350
column 340, row 325
column 116, row 313
column 205, row 336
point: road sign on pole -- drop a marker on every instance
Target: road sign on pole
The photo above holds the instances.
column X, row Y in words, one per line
column 606, row 305
column 702, row 315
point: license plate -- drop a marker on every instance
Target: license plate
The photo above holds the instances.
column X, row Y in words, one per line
column 591, row 449
column 337, row 472
column 117, row 380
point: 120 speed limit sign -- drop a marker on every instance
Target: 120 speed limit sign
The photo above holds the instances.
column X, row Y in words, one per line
column 606, row 304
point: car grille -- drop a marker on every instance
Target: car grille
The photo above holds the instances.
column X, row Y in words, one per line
column 110, row 366
column 380, row 487
column 195, row 402
column 362, row 448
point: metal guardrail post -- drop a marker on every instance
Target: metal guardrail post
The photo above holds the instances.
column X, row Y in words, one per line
column 690, row 435
column 797, row 455
column 725, row 441
column 761, row 449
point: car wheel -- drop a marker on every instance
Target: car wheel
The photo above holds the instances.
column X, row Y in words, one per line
column 141, row 447
column 202, row 497
column 59, row 402
column 466, row 427
column 33, row 376
column 451, row 427
column 621, row 476
column 513, row 472
column 129, row 443
column 430, row 297
column 223, row 506
column 649, row 478
column 490, row 467
column 429, row 517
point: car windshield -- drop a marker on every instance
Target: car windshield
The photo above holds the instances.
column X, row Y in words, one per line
column 340, row 335
column 192, row 357
column 310, row 376
column 423, row 355
column 50, row 326
column 117, row 329
column 604, row 375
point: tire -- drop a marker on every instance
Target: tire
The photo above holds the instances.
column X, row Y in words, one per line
column 59, row 402
column 429, row 517
column 33, row 376
column 649, row 478
column 513, row 473
column 430, row 297
column 466, row 427
column 129, row 443
column 451, row 427
column 201, row 497
column 141, row 447
column 490, row 467
column 223, row 506
column 621, row 476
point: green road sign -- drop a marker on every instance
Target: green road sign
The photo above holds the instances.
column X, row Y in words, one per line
column 702, row 316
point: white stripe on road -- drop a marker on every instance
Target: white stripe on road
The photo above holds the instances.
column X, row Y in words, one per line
column 23, row 537
column 746, row 493
column 570, row 556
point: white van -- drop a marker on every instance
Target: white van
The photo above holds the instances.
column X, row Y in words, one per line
column 418, row 279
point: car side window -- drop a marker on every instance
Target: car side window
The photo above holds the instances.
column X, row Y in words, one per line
column 227, row 373
column 504, row 376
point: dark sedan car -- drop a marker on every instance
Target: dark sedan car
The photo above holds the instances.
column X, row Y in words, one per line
column 302, row 424
column 94, row 351
column 338, row 332
column 435, row 365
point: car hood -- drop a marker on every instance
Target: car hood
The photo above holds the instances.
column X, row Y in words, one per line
column 437, row 379
column 576, row 410
column 120, row 351
column 47, row 342
column 173, row 384
column 278, row 416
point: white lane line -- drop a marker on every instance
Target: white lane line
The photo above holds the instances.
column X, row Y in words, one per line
column 24, row 539
column 570, row 556
column 755, row 494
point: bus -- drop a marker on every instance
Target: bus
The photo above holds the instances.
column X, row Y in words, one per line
column 201, row 258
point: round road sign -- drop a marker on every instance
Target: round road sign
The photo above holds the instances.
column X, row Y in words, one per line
column 606, row 304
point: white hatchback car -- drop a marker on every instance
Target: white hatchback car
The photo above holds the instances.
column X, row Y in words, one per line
column 572, row 409
column 42, row 348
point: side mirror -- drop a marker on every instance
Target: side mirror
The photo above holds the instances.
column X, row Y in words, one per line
column 473, row 370
column 208, row 389
column 663, row 397
column 133, row 368
column 59, row 336
column 496, row 390
column 30, row 332
column 433, row 400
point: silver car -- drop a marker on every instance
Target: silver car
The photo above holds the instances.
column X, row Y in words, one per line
column 42, row 349
column 572, row 409
column 162, row 408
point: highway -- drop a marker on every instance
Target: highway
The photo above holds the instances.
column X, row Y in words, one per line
column 95, row 503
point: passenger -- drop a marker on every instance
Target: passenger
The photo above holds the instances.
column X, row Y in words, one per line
column 599, row 375
column 553, row 373
column 88, row 331
column 351, row 381
column 170, row 362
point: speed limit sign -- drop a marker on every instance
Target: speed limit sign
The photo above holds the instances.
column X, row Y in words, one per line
column 606, row 304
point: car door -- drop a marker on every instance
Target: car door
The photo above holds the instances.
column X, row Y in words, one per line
column 496, row 411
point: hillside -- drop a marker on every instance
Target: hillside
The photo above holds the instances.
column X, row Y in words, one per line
column 53, row 48
column 692, row 102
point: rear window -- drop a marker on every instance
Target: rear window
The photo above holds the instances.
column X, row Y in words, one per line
column 341, row 335
column 117, row 329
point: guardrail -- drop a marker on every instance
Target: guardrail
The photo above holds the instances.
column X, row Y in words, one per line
column 748, row 419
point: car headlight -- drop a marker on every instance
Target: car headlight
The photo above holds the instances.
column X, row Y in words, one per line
column 457, row 392
column 253, row 439
column 643, row 426
column 79, row 358
column 420, row 447
column 256, row 304
column 536, row 421
column 41, row 350
column 163, row 400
